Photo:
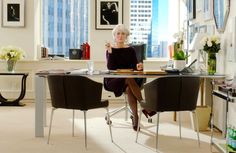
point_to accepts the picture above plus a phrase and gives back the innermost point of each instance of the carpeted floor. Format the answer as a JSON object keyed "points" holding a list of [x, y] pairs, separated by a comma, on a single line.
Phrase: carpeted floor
{"points": [[17, 134]]}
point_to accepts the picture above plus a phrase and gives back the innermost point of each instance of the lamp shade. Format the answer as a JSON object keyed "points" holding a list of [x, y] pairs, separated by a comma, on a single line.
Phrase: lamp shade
{"points": [[195, 44]]}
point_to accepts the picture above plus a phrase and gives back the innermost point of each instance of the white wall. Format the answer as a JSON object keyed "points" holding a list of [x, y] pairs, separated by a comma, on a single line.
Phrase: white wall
{"points": [[22, 37], [223, 65], [230, 66]]}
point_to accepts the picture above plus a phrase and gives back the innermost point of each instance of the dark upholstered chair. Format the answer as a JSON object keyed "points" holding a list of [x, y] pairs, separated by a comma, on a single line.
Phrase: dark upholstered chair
{"points": [[76, 93], [140, 50], [173, 93]]}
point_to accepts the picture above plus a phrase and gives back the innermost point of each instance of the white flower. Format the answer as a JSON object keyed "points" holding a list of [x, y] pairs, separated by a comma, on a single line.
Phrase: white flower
{"points": [[11, 53], [209, 43], [179, 36]]}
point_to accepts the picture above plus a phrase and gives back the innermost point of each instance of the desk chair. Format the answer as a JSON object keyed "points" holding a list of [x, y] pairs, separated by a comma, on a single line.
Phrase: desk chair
{"points": [[74, 92], [140, 50], [173, 93]]}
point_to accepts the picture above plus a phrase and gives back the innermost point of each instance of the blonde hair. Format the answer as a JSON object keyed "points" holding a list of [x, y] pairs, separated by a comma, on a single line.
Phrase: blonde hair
{"points": [[121, 28]]}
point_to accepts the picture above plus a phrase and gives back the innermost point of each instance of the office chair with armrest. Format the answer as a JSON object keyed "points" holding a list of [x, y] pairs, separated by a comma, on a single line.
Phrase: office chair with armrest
{"points": [[173, 93], [76, 93], [140, 50]]}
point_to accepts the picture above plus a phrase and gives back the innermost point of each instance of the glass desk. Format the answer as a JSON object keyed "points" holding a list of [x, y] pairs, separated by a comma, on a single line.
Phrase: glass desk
{"points": [[41, 78]]}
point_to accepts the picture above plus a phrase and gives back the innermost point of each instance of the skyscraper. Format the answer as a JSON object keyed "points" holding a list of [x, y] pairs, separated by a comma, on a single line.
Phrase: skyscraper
{"points": [[140, 20], [64, 24], [148, 24]]}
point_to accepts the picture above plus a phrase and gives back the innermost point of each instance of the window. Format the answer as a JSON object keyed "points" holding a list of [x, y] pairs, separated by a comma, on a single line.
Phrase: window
{"points": [[64, 25], [150, 24]]}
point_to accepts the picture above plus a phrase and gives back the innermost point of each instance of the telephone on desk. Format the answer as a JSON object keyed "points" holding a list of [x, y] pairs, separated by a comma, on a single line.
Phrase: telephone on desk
{"points": [[186, 70]]}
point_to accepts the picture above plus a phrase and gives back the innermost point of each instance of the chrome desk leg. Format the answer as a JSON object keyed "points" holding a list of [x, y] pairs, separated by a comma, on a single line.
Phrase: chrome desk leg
{"points": [[40, 105]]}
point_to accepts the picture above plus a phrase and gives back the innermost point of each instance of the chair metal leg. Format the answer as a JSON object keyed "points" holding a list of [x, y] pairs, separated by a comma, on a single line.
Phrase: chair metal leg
{"points": [[108, 119], [126, 108], [197, 126], [139, 121], [180, 134], [123, 108], [73, 123], [158, 114], [113, 112], [50, 126], [85, 129]]}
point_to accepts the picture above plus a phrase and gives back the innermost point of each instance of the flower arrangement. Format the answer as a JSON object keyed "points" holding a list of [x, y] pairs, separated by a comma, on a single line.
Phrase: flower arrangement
{"points": [[211, 44], [11, 53], [179, 40], [179, 54]]}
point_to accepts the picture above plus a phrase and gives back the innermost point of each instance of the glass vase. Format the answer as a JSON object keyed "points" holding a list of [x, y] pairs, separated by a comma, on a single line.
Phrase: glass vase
{"points": [[211, 63], [11, 65]]}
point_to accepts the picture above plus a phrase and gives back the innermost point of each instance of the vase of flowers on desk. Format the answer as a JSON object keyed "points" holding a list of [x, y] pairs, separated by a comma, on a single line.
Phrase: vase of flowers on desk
{"points": [[11, 55], [211, 45]]}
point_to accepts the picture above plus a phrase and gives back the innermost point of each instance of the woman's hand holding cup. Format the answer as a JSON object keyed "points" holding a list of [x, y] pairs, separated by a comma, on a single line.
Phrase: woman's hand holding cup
{"points": [[140, 66], [108, 47]]}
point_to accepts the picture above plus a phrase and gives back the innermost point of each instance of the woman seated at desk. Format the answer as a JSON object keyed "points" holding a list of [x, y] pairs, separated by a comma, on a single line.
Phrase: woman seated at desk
{"points": [[121, 56]]}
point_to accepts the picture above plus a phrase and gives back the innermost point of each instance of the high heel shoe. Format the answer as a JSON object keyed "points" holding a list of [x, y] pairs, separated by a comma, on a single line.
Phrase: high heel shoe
{"points": [[148, 114], [134, 123]]}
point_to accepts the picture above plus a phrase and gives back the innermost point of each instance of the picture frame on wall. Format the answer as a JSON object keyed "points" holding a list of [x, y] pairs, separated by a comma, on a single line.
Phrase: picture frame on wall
{"points": [[13, 13], [192, 30], [199, 5], [108, 14], [191, 9], [208, 9]]}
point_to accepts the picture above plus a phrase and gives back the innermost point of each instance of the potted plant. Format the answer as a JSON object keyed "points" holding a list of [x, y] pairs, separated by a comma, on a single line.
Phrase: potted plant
{"points": [[179, 59], [179, 55]]}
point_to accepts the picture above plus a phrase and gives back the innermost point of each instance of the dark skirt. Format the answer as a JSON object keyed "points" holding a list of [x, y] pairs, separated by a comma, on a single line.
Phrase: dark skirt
{"points": [[118, 86]]}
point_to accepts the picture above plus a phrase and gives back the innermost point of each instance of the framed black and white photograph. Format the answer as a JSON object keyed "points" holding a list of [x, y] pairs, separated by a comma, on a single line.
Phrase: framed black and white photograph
{"points": [[13, 13], [108, 13]]}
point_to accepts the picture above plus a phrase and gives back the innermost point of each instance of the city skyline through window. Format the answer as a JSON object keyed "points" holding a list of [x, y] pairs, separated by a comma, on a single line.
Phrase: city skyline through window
{"points": [[64, 25], [149, 25]]}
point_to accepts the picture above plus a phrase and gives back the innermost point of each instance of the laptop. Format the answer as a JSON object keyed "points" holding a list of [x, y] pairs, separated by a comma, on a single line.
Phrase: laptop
{"points": [[186, 70]]}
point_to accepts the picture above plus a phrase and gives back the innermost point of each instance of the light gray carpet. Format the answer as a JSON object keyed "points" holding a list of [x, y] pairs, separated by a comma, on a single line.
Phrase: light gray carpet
{"points": [[17, 134]]}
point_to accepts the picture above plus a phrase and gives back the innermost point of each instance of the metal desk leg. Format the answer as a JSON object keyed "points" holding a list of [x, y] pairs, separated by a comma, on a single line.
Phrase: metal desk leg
{"points": [[40, 105]]}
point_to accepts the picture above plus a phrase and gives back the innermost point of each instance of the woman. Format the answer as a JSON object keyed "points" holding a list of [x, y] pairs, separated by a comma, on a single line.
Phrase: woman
{"points": [[121, 56]]}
